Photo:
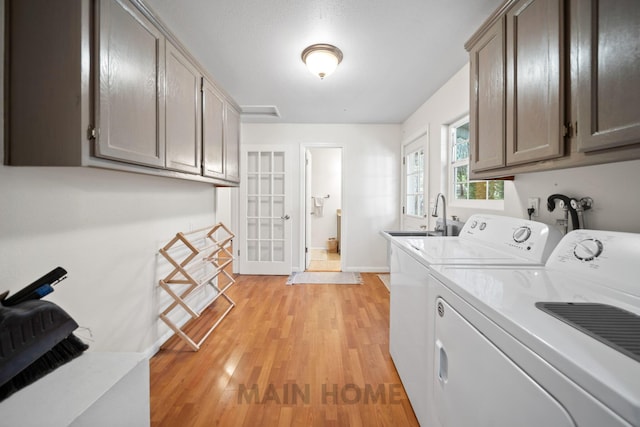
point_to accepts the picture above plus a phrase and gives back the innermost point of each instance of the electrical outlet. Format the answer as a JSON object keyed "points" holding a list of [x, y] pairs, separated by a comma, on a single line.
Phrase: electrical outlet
{"points": [[534, 202]]}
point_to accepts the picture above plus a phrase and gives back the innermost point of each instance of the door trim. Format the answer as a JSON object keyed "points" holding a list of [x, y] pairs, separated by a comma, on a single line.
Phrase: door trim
{"points": [[344, 249]]}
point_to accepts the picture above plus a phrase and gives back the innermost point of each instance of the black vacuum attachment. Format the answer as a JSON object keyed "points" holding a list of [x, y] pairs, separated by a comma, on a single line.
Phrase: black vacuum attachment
{"points": [[35, 336]]}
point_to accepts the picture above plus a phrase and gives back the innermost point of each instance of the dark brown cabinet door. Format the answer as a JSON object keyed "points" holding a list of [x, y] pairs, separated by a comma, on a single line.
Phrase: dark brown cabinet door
{"points": [[487, 62], [608, 95], [212, 131], [535, 73], [232, 144], [183, 116], [131, 94]]}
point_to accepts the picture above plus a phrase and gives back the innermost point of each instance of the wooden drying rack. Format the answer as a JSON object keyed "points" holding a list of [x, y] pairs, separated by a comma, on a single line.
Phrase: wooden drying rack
{"points": [[203, 264]]}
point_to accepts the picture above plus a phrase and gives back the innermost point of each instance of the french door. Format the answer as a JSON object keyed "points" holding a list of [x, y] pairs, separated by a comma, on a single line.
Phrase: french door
{"points": [[415, 202], [265, 221]]}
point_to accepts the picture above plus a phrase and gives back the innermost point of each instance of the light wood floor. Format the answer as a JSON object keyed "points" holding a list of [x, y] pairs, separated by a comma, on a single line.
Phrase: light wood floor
{"points": [[301, 355]]}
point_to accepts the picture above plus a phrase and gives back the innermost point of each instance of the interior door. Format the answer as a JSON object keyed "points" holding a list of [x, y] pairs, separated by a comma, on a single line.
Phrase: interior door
{"points": [[265, 194], [414, 205]]}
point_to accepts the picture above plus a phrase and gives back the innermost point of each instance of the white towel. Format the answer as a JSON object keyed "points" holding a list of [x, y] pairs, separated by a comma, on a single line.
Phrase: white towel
{"points": [[318, 204]]}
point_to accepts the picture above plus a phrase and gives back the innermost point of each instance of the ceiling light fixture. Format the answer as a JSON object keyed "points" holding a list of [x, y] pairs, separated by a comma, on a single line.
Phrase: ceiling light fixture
{"points": [[321, 59]]}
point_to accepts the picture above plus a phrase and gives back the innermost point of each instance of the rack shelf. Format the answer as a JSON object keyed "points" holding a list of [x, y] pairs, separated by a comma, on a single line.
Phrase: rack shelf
{"points": [[199, 258]]}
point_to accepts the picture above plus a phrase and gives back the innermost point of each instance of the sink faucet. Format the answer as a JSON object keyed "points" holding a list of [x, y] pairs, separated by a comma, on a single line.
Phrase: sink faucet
{"points": [[444, 211]]}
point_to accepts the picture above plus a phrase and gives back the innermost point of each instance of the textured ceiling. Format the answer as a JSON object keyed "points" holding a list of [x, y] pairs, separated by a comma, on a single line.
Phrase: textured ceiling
{"points": [[397, 53]]}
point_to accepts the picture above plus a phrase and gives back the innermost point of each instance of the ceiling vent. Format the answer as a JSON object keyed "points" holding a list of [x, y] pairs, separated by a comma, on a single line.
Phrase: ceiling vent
{"points": [[260, 111]]}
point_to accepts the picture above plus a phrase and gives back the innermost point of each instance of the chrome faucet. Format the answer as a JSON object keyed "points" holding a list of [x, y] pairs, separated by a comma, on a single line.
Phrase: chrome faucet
{"points": [[444, 211]]}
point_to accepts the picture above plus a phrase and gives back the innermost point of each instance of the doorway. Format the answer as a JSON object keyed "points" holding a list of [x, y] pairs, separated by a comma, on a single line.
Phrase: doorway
{"points": [[323, 209]]}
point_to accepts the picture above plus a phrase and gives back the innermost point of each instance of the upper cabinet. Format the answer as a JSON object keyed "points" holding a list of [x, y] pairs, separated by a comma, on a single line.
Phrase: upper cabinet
{"points": [[131, 88], [183, 112], [232, 144], [570, 82], [487, 112], [220, 136], [113, 89], [608, 50], [534, 77], [212, 131]]}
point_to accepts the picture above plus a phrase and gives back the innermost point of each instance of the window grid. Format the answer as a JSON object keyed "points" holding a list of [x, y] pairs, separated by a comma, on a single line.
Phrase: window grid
{"points": [[462, 187], [265, 206]]}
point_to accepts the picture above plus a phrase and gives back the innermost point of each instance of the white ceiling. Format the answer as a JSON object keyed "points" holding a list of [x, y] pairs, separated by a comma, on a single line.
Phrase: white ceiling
{"points": [[397, 53]]}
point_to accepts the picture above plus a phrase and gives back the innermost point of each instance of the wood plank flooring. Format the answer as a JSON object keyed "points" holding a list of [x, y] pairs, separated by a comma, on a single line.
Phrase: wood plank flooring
{"points": [[301, 355]]}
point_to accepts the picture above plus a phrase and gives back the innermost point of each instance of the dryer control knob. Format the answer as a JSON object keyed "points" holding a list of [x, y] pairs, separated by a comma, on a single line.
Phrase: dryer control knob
{"points": [[588, 249], [474, 224], [521, 234]]}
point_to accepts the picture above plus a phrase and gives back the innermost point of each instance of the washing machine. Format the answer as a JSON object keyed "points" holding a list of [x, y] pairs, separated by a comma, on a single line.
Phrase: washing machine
{"points": [[484, 240], [557, 345]]}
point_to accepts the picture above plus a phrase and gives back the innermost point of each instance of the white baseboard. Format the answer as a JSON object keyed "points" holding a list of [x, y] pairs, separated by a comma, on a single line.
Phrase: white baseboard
{"points": [[366, 269]]}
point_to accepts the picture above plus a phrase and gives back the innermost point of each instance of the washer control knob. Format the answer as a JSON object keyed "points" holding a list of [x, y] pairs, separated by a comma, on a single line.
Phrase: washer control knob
{"points": [[483, 225], [474, 224], [588, 249], [521, 234]]}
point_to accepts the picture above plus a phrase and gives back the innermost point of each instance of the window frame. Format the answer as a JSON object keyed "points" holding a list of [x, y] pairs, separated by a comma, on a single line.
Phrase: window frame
{"points": [[451, 167]]}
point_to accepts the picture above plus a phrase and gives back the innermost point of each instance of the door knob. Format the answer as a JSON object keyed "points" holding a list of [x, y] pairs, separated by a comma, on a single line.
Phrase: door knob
{"points": [[285, 217]]}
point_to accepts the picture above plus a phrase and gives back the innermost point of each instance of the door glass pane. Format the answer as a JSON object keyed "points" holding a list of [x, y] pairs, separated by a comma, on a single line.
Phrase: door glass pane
{"points": [[278, 229], [414, 183], [278, 162], [252, 184], [278, 250], [252, 206], [252, 228], [252, 250], [278, 206], [265, 250], [265, 184], [252, 161], [278, 184], [265, 162], [265, 229], [265, 207]]}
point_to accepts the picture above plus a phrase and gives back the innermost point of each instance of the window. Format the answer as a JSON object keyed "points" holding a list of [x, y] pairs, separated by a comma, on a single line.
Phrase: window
{"points": [[463, 190], [414, 167]]}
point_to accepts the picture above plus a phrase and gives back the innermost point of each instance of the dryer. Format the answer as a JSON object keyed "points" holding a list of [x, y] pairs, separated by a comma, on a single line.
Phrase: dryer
{"points": [[568, 333], [484, 240]]}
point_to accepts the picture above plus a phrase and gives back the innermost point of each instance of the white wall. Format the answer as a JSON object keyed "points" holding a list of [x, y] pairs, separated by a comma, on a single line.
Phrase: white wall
{"points": [[371, 183], [612, 186], [326, 179], [105, 229]]}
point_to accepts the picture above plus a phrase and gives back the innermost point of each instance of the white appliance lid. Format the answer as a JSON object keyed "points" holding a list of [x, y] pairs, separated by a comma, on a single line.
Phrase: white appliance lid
{"points": [[456, 251], [508, 296]]}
